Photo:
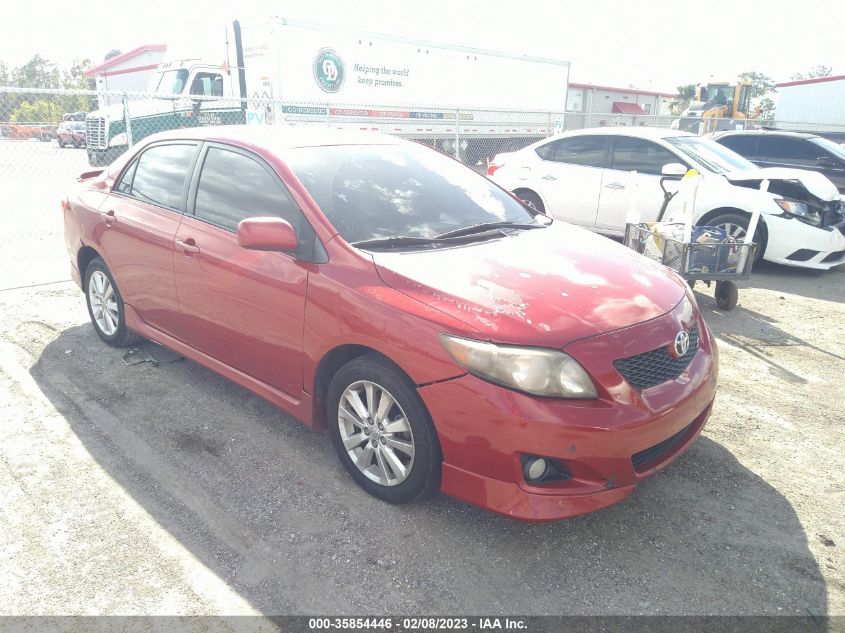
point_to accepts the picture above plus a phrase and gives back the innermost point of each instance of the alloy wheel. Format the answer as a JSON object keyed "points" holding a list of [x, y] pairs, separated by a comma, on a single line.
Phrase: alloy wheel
{"points": [[103, 302], [375, 433]]}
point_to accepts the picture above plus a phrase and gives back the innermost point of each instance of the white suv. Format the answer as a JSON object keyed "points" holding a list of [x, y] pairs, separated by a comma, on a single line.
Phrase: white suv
{"points": [[586, 178]]}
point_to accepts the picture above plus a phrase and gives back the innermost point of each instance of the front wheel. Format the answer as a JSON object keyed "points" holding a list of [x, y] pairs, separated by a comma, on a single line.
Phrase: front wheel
{"points": [[736, 226], [105, 306], [382, 432]]}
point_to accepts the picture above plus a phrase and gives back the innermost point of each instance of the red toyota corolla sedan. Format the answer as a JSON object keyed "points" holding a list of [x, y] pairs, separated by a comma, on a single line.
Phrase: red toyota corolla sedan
{"points": [[446, 335]]}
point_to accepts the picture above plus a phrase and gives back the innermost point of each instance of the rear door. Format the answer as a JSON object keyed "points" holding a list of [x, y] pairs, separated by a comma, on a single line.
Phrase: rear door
{"points": [[570, 175], [140, 219], [622, 189], [744, 145], [243, 307]]}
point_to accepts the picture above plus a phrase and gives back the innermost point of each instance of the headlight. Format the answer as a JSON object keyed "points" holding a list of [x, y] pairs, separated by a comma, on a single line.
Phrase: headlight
{"points": [[118, 139], [800, 211], [542, 372]]}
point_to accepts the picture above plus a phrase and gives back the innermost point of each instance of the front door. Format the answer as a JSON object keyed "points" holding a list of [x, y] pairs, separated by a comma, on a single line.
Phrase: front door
{"points": [[632, 179], [242, 307]]}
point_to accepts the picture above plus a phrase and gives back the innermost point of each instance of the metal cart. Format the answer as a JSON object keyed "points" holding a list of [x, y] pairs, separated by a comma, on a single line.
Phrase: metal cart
{"points": [[711, 255]]}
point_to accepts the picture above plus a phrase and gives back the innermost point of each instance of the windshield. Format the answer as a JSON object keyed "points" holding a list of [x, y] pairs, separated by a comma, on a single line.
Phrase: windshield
{"points": [[834, 148], [710, 155], [172, 82], [380, 191]]}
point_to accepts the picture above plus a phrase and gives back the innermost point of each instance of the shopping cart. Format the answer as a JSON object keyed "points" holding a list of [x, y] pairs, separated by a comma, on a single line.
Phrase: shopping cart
{"points": [[710, 255]]}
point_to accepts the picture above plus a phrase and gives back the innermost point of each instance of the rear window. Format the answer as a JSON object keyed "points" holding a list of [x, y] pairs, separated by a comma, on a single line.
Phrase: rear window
{"points": [[161, 174], [377, 191], [742, 145]]}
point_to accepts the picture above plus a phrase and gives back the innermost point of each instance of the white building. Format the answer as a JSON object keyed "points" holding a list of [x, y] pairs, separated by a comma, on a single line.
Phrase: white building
{"points": [[130, 72], [819, 101], [588, 98]]}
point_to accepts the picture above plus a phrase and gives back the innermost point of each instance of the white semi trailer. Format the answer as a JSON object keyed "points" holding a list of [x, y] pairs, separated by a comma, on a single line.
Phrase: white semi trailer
{"points": [[468, 102]]}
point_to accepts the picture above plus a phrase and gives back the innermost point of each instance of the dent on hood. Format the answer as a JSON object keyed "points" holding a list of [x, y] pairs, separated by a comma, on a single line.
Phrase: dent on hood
{"points": [[797, 184]]}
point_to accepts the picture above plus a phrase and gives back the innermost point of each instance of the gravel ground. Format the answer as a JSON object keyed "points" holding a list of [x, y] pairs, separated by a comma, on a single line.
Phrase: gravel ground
{"points": [[165, 489]]}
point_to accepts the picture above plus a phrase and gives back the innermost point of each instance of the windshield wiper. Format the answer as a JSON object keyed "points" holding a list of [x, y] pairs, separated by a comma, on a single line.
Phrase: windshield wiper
{"points": [[489, 226], [396, 240]]}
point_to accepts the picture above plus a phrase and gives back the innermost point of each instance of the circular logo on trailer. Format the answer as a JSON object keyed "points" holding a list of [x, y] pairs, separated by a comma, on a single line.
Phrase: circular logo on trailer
{"points": [[329, 71], [681, 343]]}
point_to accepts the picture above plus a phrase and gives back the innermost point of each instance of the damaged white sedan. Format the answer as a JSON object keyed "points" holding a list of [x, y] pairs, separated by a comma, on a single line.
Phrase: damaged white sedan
{"points": [[595, 177]]}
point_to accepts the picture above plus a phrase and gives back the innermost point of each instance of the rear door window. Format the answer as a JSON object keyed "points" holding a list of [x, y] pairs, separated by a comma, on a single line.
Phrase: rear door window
{"points": [[742, 145], [789, 151], [636, 154], [161, 175], [580, 150]]}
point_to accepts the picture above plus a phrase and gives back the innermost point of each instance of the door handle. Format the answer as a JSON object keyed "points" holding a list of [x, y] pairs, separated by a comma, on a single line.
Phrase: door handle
{"points": [[188, 245], [110, 217], [549, 177], [614, 185]]}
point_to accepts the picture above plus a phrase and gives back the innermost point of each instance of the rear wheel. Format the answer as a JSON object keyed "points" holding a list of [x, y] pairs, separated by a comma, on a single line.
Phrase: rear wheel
{"points": [[727, 295], [736, 225], [105, 306], [532, 200], [382, 432]]}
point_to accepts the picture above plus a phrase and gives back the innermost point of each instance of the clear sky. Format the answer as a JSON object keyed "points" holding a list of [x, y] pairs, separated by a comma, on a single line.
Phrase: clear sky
{"points": [[653, 44]]}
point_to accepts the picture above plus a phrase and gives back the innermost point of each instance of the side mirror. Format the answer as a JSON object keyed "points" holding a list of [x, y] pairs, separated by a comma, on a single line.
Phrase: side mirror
{"points": [[673, 170], [266, 234]]}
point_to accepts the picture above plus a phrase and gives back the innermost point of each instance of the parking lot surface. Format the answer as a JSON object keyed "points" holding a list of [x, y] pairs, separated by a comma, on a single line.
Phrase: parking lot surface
{"points": [[163, 488]]}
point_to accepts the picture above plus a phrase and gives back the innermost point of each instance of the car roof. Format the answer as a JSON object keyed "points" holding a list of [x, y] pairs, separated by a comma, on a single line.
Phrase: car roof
{"points": [[786, 133], [652, 133], [276, 138]]}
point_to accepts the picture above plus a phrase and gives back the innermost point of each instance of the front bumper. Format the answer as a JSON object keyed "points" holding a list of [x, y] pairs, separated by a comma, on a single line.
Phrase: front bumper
{"points": [[795, 243], [485, 429]]}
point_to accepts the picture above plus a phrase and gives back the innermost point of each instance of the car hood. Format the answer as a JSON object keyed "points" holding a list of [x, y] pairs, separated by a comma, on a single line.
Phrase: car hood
{"points": [[544, 287], [817, 184]]}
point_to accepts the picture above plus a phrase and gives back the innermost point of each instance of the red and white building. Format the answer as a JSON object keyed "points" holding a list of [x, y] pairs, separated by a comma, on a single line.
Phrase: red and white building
{"points": [[819, 101], [588, 98], [130, 72]]}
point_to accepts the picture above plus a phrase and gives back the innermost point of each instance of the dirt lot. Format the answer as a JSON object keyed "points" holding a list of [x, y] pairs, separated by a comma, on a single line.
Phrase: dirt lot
{"points": [[166, 489]]}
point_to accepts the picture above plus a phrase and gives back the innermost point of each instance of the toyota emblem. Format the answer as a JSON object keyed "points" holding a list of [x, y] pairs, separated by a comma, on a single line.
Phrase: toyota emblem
{"points": [[681, 343]]}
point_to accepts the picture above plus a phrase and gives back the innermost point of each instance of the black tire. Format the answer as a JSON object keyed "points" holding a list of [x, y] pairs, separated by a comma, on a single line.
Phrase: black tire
{"points": [[424, 476], [532, 200], [724, 220], [121, 337], [726, 295]]}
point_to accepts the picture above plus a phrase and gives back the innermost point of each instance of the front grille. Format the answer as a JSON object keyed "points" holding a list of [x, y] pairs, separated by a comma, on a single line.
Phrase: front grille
{"points": [[833, 257], [657, 366], [96, 136], [650, 455]]}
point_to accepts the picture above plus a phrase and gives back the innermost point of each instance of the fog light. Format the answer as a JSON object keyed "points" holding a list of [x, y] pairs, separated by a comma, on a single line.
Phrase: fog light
{"points": [[535, 468]]}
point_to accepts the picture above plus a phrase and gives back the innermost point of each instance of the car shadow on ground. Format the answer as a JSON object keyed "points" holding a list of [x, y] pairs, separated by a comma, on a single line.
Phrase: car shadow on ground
{"points": [[264, 503], [827, 285]]}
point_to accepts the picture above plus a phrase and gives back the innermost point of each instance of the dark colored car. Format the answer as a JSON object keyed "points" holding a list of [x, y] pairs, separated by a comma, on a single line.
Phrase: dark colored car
{"points": [[798, 150], [71, 133], [447, 335]]}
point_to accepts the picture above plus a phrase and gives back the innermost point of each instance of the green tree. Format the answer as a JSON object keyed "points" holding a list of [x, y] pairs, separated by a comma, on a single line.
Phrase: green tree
{"points": [[767, 108], [112, 53], [686, 94], [41, 111], [37, 73], [761, 84], [815, 71], [5, 75]]}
